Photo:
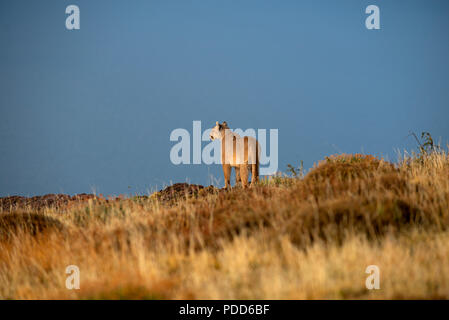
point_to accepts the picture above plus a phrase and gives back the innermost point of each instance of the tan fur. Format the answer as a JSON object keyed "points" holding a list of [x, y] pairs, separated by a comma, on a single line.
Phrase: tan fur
{"points": [[241, 169]]}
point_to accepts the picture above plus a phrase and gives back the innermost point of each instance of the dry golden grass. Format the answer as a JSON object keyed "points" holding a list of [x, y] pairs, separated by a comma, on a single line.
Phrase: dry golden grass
{"points": [[287, 238]]}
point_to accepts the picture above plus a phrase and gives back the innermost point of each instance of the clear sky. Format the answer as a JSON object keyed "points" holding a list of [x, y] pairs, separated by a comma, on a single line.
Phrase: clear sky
{"points": [[94, 108]]}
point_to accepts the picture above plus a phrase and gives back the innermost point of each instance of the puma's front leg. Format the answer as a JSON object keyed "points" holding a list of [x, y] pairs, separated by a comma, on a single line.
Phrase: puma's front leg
{"points": [[227, 175]]}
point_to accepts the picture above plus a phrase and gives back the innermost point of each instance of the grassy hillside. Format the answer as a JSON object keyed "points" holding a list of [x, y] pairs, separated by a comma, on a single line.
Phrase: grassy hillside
{"points": [[308, 237]]}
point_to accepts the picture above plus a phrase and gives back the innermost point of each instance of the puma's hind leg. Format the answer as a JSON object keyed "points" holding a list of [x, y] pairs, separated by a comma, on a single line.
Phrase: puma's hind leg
{"points": [[254, 174], [237, 176], [244, 175]]}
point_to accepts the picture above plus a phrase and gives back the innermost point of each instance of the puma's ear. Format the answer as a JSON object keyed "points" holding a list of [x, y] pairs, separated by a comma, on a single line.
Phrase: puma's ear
{"points": [[225, 123], [216, 123]]}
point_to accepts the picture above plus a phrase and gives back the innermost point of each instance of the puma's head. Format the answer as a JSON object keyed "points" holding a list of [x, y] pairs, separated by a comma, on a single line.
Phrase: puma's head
{"points": [[218, 131]]}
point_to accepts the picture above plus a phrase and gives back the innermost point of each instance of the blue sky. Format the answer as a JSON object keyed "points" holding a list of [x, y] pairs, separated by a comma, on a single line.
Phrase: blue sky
{"points": [[92, 109]]}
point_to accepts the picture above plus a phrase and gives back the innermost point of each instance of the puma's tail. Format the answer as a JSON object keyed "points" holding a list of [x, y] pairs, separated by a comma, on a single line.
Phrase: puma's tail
{"points": [[257, 159]]}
